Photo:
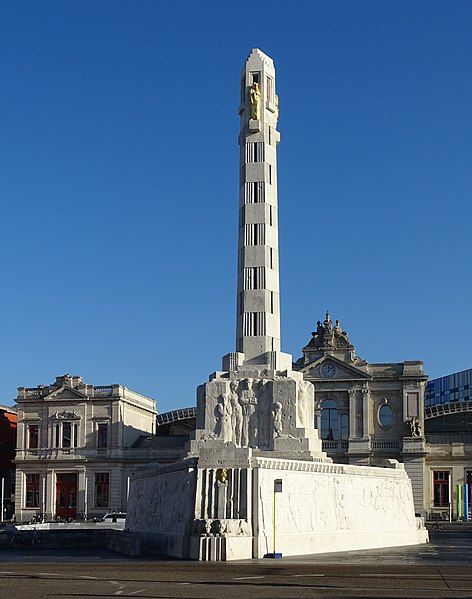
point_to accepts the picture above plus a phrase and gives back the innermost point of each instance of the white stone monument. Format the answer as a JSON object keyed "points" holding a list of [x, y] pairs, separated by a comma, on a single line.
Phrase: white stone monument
{"points": [[255, 425]]}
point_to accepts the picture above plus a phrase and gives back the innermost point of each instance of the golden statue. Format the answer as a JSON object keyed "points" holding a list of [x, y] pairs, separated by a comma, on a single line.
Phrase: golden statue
{"points": [[222, 475], [255, 99]]}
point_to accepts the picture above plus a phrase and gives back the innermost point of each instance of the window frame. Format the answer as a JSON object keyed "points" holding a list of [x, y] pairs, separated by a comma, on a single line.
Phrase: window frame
{"points": [[32, 487], [102, 484], [99, 444], [385, 427], [29, 426], [444, 487]]}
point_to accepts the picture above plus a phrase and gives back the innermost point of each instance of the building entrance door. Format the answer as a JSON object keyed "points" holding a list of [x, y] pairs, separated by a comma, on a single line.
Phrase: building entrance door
{"points": [[66, 495]]}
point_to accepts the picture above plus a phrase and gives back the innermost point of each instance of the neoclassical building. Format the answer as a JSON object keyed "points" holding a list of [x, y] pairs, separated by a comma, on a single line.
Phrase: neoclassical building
{"points": [[366, 412], [77, 445]]}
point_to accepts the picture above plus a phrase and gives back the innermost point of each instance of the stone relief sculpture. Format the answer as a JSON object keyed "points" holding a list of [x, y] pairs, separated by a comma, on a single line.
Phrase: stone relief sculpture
{"points": [[277, 419], [223, 411], [276, 108], [255, 100], [248, 401], [303, 405], [237, 413], [264, 415]]}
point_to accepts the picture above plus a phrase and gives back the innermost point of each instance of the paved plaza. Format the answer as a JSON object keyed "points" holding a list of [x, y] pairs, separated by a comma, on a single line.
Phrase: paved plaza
{"points": [[443, 568]]}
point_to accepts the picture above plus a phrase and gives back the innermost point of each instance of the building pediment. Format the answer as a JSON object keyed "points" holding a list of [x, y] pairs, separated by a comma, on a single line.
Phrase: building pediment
{"points": [[329, 368], [65, 392]]}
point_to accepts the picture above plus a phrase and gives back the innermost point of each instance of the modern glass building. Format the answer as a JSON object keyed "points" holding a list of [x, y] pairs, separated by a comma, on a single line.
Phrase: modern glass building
{"points": [[454, 387]]}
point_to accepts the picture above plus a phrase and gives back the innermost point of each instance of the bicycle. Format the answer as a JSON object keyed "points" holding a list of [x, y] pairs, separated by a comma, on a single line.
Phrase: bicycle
{"points": [[437, 527], [26, 539]]}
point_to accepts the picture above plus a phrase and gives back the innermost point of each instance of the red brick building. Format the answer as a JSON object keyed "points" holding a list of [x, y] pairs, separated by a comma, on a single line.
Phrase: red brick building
{"points": [[8, 418]]}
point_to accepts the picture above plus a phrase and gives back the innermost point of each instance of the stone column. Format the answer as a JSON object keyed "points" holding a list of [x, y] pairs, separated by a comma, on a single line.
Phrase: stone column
{"points": [[352, 413], [366, 400]]}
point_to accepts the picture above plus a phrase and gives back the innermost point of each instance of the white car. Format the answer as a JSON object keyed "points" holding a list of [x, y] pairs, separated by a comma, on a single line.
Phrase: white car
{"points": [[118, 517]]}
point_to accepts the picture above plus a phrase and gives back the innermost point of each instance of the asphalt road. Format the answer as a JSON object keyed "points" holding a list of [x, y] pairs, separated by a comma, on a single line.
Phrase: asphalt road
{"points": [[442, 569]]}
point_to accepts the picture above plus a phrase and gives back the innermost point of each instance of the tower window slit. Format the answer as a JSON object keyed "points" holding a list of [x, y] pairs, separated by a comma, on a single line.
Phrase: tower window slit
{"points": [[254, 277], [254, 234], [254, 323], [254, 152], [254, 192]]}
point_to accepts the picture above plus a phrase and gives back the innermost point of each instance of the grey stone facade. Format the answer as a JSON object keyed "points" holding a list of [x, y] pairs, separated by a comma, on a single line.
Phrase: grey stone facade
{"points": [[366, 412]]}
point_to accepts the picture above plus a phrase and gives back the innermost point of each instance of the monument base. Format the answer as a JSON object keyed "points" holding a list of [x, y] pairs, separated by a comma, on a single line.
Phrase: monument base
{"points": [[227, 513]]}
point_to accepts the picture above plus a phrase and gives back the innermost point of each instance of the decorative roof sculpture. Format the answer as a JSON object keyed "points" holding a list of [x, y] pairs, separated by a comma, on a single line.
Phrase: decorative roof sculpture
{"points": [[329, 336]]}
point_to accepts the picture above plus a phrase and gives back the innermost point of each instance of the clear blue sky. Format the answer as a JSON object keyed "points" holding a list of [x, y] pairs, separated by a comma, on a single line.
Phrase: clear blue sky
{"points": [[119, 184]]}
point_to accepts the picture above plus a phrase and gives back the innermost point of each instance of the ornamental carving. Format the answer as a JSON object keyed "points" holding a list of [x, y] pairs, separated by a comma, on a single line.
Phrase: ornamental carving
{"points": [[329, 335], [65, 416]]}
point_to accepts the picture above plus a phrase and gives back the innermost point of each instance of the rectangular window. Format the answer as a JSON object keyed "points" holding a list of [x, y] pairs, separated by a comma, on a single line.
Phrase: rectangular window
{"points": [[56, 436], [270, 174], [32, 490], [33, 436], [102, 489], [102, 435], [255, 78], [66, 434], [76, 434], [271, 302], [441, 488]]}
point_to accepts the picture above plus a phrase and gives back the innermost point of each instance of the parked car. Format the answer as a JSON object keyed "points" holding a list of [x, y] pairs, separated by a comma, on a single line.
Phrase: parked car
{"points": [[119, 517]]}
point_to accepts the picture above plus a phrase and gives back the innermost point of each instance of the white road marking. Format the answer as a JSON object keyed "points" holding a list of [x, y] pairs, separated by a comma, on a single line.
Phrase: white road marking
{"points": [[247, 577], [304, 575], [135, 592]]}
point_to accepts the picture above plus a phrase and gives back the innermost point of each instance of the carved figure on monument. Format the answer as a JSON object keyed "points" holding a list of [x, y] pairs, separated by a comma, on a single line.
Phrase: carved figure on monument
{"points": [[243, 528], [255, 99], [276, 109], [248, 401], [207, 526], [222, 475], [264, 415], [221, 527], [303, 399], [237, 413], [277, 419], [223, 411]]}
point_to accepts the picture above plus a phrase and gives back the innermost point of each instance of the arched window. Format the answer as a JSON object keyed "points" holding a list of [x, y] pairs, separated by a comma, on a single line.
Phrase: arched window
{"points": [[330, 428]]}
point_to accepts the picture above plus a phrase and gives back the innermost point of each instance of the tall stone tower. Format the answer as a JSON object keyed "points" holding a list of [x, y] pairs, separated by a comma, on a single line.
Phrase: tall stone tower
{"points": [[256, 402], [258, 305]]}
